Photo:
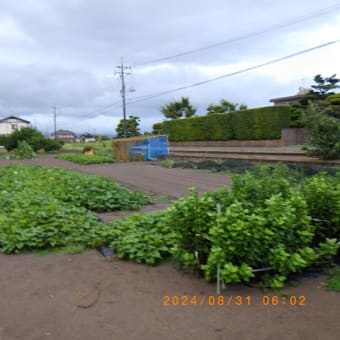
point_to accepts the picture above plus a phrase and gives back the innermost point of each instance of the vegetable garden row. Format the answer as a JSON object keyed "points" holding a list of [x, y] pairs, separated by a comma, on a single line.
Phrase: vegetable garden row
{"points": [[269, 218]]}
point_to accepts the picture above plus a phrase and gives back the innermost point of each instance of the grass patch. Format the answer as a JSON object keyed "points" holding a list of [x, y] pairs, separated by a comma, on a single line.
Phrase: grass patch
{"points": [[80, 145], [80, 158]]}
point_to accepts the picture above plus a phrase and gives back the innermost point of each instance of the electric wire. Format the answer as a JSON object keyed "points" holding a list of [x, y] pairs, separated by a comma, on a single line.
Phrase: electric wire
{"points": [[251, 68], [291, 22]]}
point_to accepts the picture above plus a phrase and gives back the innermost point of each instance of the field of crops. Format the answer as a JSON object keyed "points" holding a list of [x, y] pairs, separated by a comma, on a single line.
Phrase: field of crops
{"points": [[53, 207], [269, 219]]}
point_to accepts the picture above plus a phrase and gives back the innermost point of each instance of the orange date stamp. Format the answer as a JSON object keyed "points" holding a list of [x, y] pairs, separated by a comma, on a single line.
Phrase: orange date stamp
{"points": [[232, 300]]}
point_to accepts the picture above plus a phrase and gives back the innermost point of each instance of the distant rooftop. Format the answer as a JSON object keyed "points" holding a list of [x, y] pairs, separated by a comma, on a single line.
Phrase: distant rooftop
{"points": [[290, 99], [13, 117]]}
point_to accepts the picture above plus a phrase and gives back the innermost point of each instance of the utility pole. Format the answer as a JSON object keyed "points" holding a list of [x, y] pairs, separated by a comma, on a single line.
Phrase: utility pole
{"points": [[122, 73], [55, 121]]}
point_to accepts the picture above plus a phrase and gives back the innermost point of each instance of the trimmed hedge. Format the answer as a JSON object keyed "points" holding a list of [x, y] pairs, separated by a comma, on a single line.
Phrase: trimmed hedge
{"points": [[253, 124]]}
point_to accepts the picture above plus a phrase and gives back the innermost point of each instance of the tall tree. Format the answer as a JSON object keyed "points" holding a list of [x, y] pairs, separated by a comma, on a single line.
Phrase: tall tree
{"points": [[224, 107], [178, 109], [322, 96], [132, 127], [324, 85]]}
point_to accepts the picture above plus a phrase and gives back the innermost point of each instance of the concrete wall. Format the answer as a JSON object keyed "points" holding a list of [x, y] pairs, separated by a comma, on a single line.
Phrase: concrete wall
{"points": [[294, 136]]}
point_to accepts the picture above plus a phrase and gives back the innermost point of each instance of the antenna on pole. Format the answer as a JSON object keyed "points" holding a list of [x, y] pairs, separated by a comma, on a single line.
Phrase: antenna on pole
{"points": [[122, 73]]}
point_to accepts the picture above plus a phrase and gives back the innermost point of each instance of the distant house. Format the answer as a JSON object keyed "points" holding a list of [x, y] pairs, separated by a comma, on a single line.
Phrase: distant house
{"points": [[64, 136], [87, 137], [290, 99], [11, 123]]}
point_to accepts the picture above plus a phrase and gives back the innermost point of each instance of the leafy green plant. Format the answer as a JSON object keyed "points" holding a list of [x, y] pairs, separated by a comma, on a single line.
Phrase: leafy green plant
{"points": [[276, 235], [142, 238], [91, 192], [322, 194], [43, 208], [263, 223], [51, 145], [191, 218], [41, 221], [24, 151], [85, 159], [325, 134], [33, 137], [168, 163], [261, 182], [333, 283]]}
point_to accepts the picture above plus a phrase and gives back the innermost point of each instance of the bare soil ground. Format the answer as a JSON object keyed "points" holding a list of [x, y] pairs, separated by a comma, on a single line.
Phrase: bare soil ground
{"points": [[142, 175], [85, 296]]}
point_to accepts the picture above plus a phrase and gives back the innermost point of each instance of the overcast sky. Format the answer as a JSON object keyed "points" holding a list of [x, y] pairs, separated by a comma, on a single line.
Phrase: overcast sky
{"points": [[64, 53]]}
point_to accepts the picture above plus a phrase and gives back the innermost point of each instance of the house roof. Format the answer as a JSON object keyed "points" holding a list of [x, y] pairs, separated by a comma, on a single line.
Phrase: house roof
{"points": [[62, 132], [302, 92], [86, 135], [13, 117], [286, 99]]}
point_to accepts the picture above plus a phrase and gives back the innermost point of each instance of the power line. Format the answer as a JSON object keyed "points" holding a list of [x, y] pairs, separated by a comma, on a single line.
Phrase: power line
{"points": [[254, 34], [159, 94], [148, 97], [247, 36]]}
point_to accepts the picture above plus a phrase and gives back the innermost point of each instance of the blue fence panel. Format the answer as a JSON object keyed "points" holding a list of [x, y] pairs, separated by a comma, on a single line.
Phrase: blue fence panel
{"points": [[150, 148], [158, 146]]}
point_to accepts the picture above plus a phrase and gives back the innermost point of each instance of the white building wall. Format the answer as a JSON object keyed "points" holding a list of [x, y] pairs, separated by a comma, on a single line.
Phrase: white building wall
{"points": [[10, 125]]}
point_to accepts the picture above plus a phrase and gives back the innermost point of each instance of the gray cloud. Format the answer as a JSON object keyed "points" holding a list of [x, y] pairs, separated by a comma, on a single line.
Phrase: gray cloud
{"points": [[64, 52]]}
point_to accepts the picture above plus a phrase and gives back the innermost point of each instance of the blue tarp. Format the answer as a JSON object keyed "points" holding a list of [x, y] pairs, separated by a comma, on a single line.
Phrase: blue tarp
{"points": [[150, 148]]}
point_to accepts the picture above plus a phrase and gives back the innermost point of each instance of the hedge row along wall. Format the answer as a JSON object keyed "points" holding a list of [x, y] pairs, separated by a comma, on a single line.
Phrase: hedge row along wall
{"points": [[253, 124]]}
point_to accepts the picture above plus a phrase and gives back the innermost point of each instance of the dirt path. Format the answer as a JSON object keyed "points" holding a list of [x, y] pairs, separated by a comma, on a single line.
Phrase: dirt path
{"points": [[84, 296], [143, 175]]}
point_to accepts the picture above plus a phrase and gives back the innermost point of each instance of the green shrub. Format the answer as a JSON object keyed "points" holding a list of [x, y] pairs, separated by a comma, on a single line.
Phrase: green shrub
{"points": [[333, 283], [243, 124], [261, 182], [51, 145], [24, 151], [157, 129], [32, 137], [325, 134], [142, 238], [246, 236], [191, 218], [322, 194], [253, 124], [264, 222]]}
